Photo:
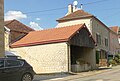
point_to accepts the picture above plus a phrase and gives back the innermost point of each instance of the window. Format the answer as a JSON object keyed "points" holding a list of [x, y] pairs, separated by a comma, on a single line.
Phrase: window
{"points": [[1, 63], [106, 42], [11, 63], [98, 39]]}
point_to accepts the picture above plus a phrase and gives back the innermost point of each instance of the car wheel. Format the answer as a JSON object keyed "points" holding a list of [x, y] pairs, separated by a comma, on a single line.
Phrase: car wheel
{"points": [[27, 77]]}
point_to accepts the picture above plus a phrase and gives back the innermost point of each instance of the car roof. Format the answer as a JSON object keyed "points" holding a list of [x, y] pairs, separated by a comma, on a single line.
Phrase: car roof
{"points": [[11, 59]]}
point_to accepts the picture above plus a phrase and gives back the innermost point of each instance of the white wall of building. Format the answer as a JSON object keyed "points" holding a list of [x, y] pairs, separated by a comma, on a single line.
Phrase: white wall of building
{"points": [[48, 58], [75, 22]]}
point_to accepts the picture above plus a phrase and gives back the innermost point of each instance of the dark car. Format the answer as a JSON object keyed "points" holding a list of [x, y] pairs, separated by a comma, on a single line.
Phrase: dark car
{"points": [[13, 69]]}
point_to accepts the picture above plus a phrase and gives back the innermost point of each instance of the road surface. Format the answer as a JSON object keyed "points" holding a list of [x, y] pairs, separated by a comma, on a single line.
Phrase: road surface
{"points": [[112, 75]]}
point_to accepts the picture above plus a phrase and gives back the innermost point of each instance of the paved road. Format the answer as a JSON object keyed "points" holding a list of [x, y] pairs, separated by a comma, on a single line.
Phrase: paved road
{"points": [[108, 75], [49, 77], [112, 75]]}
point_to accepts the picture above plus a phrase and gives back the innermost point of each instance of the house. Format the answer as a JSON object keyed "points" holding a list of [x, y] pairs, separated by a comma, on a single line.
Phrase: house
{"points": [[114, 40], [13, 31], [98, 29], [116, 29], [8, 53], [62, 49], [2, 51], [17, 30]]}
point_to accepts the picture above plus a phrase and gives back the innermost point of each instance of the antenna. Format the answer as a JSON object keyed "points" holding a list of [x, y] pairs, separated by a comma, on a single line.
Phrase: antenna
{"points": [[81, 6], [75, 3]]}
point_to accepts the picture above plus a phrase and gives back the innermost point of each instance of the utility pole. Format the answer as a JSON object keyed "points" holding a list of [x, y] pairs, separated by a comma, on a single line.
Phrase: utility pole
{"points": [[2, 47]]}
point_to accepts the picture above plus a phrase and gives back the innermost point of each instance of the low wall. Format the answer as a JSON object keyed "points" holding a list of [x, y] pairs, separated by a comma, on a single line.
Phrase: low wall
{"points": [[80, 68]]}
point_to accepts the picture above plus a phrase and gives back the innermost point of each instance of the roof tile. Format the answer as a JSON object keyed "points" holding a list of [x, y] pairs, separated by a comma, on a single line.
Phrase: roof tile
{"points": [[15, 25], [115, 29], [48, 36], [75, 15]]}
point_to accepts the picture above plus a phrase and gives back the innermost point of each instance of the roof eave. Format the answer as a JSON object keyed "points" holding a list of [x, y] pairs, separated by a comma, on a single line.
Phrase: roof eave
{"points": [[39, 43], [69, 19]]}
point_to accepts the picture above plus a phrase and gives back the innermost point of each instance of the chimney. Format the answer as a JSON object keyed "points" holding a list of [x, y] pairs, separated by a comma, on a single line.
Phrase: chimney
{"points": [[70, 9], [74, 8]]}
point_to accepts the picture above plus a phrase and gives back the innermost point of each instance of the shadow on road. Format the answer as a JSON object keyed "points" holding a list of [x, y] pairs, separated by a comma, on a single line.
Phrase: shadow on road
{"points": [[104, 68]]}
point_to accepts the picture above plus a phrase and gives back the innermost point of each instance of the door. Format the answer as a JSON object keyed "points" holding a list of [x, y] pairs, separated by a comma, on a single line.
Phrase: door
{"points": [[97, 57], [2, 74], [12, 68]]}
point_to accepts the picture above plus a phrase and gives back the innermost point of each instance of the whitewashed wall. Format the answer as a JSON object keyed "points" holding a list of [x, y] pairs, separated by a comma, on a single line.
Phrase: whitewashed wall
{"points": [[75, 22], [48, 58]]}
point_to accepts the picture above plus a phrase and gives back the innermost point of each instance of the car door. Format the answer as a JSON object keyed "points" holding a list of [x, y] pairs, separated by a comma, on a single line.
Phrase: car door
{"points": [[12, 70], [2, 74]]}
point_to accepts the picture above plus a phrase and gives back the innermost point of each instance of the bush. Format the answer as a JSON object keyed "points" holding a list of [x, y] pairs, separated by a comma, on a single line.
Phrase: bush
{"points": [[112, 62], [115, 61]]}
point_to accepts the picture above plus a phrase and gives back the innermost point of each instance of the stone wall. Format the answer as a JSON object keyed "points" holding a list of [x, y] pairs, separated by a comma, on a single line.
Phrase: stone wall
{"points": [[98, 28], [114, 43], [48, 58]]}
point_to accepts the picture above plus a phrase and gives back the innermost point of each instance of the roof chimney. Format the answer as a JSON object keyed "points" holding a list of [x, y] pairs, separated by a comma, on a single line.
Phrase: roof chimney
{"points": [[70, 9]]}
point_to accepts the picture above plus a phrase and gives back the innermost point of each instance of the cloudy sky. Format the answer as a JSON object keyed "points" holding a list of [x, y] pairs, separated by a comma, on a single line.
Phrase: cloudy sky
{"points": [[42, 14]]}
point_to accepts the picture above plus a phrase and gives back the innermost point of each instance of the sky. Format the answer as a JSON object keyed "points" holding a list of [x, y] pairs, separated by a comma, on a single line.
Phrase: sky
{"points": [[42, 14]]}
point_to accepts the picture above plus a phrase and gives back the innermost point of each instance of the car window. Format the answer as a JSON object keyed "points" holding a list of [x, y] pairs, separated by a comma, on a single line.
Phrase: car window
{"points": [[1, 63], [10, 63]]}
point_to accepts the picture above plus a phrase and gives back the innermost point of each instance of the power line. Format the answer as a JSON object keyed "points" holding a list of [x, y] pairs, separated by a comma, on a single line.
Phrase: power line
{"points": [[45, 10], [95, 2], [63, 8], [41, 11], [60, 8]]}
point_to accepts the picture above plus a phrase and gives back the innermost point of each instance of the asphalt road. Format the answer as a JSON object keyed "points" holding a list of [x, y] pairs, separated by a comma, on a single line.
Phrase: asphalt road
{"points": [[49, 77], [112, 75], [109, 75]]}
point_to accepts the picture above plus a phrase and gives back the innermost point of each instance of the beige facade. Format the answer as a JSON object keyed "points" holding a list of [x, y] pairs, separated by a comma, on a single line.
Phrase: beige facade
{"points": [[1, 29], [114, 43], [95, 26], [48, 58], [74, 22]]}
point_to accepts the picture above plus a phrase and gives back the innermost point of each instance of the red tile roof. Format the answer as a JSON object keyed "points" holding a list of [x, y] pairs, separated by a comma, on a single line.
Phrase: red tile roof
{"points": [[115, 29], [17, 30], [62, 34], [79, 14], [15, 25], [75, 15]]}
